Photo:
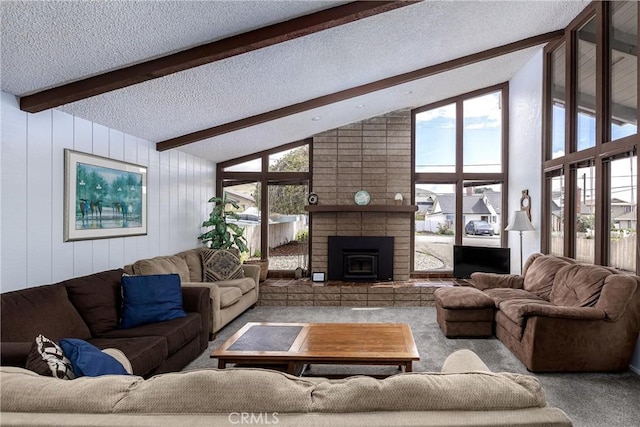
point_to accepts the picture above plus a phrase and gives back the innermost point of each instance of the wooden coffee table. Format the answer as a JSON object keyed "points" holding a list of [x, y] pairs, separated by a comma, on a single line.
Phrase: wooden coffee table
{"points": [[295, 344]]}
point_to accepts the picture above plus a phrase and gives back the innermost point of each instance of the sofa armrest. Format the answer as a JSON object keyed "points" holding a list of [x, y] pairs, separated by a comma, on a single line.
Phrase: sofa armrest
{"points": [[15, 353], [214, 299], [462, 361], [253, 271], [196, 299], [484, 281], [562, 312]]}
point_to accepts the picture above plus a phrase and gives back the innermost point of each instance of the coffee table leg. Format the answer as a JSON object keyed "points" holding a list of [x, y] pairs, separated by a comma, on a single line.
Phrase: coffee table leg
{"points": [[222, 364], [291, 368], [408, 367]]}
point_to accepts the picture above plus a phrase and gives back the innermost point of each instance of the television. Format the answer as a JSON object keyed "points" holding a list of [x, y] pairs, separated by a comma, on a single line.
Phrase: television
{"points": [[469, 259]]}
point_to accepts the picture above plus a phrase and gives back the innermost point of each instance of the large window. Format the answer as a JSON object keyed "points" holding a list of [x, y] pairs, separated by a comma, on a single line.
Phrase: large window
{"points": [[590, 198], [271, 188], [460, 176]]}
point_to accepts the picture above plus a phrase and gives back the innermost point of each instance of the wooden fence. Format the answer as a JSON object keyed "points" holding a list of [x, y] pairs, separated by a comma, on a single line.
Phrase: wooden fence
{"points": [[622, 251]]}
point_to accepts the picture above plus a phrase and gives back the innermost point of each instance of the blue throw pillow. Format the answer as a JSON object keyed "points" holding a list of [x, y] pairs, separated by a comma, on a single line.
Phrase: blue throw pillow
{"points": [[88, 360], [150, 299]]}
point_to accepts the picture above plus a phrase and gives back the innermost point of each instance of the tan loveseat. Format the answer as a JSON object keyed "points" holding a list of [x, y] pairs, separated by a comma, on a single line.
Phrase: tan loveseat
{"points": [[464, 393], [561, 315], [229, 298]]}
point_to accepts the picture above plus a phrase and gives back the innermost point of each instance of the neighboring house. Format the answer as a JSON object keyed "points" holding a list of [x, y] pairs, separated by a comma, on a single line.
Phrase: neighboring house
{"points": [[439, 209]]}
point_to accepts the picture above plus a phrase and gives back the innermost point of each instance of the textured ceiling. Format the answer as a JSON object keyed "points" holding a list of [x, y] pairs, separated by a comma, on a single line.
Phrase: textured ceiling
{"points": [[45, 44]]}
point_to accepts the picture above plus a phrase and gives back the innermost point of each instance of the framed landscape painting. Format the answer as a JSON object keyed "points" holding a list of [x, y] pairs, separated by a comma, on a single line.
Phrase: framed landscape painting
{"points": [[103, 197]]}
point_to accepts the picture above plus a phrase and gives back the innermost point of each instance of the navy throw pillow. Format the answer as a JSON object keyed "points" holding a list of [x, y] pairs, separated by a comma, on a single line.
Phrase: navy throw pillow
{"points": [[88, 360], [150, 299]]}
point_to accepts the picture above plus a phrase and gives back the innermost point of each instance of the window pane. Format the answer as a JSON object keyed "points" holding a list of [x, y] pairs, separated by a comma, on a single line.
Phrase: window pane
{"points": [[558, 101], [623, 42], [288, 227], [481, 210], [294, 160], [585, 214], [557, 215], [586, 95], [247, 196], [436, 140], [435, 227], [623, 206], [482, 134], [254, 165]]}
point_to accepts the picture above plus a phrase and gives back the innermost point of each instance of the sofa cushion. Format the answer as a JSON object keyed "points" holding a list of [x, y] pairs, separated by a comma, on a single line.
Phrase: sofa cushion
{"points": [[245, 285], [150, 299], [221, 264], [505, 294], [177, 332], [60, 366], [541, 273], [229, 296], [30, 312], [88, 361], [163, 265], [578, 285], [36, 363], [98, 299], [145, 353], [193, 258], [428, 391]]}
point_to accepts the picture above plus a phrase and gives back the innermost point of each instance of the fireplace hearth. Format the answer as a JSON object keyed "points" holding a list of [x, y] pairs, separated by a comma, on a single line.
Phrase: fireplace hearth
{"points": [[354, 258]]}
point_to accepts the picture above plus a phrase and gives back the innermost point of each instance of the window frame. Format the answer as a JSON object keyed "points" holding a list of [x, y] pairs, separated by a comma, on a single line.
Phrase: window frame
{"points": [[604, 150], [458, 177], [265, 178]]}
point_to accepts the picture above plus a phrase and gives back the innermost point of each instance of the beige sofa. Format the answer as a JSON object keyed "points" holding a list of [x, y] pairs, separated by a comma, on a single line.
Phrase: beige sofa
{"points": [[229, 298], [464, 393]]}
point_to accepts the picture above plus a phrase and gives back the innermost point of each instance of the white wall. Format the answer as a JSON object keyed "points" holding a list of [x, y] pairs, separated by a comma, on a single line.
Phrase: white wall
{"points": [[525, 142], [32, 251], [525, 160]]}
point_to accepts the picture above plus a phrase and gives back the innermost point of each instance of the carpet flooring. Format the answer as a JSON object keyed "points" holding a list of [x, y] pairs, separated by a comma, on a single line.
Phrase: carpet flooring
{"points": [[589, 399]]}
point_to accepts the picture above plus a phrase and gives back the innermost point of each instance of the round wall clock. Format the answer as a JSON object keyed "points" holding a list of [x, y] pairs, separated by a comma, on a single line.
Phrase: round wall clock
{"points": [[312, 198], [362, 198]]}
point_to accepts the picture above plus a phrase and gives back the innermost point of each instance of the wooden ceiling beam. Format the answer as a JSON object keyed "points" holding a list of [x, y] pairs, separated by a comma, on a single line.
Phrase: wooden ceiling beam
{"points": [[207, 53], [358, 91]]}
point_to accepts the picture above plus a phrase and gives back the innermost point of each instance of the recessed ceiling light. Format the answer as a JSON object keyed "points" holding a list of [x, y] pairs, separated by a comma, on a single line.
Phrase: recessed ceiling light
{"points": [[408, 92], [360, 106], [315, 118]]}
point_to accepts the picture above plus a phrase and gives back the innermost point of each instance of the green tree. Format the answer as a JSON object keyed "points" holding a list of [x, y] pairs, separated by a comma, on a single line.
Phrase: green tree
{"points": [[288, 199]]}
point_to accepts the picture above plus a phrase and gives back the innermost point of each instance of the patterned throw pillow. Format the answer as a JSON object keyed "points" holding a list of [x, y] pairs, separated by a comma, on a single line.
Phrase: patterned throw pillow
{"points": [[221, 264], [52, 354]]}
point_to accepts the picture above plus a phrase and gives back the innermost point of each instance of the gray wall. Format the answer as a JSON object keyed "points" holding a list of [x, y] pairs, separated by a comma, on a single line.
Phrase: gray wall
{"points": [[32, 251]]}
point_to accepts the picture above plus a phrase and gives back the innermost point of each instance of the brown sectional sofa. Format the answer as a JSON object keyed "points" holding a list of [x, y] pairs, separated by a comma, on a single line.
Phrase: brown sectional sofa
{"points": [[89, 308], [559, 315], [464, 393], [229, 298]]}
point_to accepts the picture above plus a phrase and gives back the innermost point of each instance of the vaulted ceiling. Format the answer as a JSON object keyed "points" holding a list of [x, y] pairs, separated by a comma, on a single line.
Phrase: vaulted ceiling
{"points": [[330, 64]]}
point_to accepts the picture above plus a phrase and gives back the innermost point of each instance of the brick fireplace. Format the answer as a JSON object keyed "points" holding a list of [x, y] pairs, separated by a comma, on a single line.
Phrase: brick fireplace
{"points": [[372, 155]]}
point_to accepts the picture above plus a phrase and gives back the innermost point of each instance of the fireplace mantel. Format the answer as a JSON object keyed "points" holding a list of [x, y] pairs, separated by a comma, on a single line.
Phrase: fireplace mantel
{"points": [[358, 208]]}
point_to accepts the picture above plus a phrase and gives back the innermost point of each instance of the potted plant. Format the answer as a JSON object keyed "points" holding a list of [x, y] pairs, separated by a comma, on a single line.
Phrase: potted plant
{"points": [[222, 234]]}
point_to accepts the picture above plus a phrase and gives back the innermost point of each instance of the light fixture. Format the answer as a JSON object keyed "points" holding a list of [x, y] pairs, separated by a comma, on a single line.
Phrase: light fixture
{"points": [[520, 222], [408, 92], [360, 106], [315, 118]]}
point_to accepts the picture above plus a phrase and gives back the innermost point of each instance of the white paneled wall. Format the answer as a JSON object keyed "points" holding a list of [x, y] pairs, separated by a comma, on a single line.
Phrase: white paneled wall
{"points": [[32, 251]]}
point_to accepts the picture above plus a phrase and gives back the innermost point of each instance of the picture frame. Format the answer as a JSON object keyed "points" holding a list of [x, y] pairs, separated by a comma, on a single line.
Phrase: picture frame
{"points": [[103, 198], [317, 276]]}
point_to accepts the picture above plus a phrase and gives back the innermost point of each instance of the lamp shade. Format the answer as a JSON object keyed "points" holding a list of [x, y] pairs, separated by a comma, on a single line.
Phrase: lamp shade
{"points": [[520, 222]]}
